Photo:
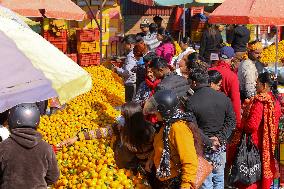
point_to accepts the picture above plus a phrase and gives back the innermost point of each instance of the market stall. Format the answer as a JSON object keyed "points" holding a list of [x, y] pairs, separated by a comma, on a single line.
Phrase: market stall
{"points": [[64, 9]]}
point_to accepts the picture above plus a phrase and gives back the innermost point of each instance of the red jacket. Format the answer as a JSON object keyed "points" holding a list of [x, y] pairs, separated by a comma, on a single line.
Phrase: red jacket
{"points": [[230, 86]]}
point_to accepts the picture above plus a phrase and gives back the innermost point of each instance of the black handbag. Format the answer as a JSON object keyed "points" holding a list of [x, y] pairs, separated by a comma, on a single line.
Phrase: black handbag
{"points": [[246, 168]]}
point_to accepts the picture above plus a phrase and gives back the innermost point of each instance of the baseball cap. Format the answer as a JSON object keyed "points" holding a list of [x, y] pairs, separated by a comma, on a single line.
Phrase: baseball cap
{"points": [[227, 53]]}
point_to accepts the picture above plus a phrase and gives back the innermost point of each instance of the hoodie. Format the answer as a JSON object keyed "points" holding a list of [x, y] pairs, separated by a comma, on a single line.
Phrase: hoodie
{"points": [[26, 161], [240, 38]]}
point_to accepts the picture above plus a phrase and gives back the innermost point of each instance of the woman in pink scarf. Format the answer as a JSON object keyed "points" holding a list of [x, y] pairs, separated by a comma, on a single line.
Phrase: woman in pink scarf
{"points": [[166, 49]]}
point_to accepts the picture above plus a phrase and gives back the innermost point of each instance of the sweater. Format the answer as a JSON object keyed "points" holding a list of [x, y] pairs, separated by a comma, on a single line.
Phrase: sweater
{"points": [[248, 75], [166, 51], [151, 40], [26, 161], [213, 111], [183, 155], [126, 71], [230, 86]]}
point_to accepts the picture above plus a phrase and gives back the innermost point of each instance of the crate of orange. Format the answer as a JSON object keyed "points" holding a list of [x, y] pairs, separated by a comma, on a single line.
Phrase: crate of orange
{"points": [[62, 46], [58, 36], [88, 47], [89, 59], [87, 35]]}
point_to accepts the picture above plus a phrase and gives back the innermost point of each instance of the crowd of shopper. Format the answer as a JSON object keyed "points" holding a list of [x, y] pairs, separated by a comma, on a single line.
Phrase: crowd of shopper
{"points": [[183, 118], [212, 98]]}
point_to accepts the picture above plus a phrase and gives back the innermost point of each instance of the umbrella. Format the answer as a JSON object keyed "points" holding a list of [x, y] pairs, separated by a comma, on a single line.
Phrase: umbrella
{"points": [[258, 12], [33, 70], [7, 13], [62, 9], [24, 21], [175, 2]]}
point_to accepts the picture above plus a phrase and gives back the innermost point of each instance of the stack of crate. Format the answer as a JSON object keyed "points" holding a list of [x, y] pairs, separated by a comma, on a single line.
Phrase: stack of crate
{"points": [[57, 33], [197, 28], [58, 38], [88, 47]]}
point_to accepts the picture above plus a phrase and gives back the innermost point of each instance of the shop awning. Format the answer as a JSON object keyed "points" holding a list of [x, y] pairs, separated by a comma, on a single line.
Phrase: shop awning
{"points": [[258, 12], [59, 9]]}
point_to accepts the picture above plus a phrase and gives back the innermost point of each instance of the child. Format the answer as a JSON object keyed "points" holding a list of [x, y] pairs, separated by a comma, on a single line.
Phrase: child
{"points": [[26, 161]]}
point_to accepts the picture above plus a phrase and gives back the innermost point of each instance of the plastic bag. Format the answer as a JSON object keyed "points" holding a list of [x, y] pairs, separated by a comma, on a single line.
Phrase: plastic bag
{"points": [[246, 168]]}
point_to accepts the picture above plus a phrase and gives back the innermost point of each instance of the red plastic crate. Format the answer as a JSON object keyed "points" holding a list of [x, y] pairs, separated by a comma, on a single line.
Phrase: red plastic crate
{"points": [[52, 37], [196, 10], [61, 46], [89, 59], [88, 35], [73, 57]]}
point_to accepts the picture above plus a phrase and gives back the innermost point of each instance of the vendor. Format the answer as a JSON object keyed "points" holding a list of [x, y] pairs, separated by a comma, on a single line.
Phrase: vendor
{"points": [[269, 38]]}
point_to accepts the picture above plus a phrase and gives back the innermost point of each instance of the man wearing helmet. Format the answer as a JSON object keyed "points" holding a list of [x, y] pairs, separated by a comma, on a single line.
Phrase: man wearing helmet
{"points": [[26, 161], [177, 143]]}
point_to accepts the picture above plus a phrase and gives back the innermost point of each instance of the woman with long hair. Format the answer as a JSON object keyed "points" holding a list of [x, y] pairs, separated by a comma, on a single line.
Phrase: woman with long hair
{"points": [[133, 136], [166, 49], [177, 145], [260, 120], [211, 42]]}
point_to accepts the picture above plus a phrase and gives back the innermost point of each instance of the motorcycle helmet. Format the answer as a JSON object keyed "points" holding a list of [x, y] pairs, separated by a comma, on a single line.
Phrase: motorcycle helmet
{"points": [[164, 102], [24, 115]]}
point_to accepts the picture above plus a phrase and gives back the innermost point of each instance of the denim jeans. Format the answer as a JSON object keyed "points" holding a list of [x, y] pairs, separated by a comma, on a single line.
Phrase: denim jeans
{"points": [[216, 179]]}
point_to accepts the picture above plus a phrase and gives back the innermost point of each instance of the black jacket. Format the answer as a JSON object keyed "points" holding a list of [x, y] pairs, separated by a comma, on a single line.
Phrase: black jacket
{"points": [[213, 111], [176, 83], [26, 161], [210, 44], [239, 39]]}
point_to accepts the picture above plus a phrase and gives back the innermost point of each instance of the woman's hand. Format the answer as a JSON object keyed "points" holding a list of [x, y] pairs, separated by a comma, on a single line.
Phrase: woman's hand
{"points": [[149, 164], [67, 142]]}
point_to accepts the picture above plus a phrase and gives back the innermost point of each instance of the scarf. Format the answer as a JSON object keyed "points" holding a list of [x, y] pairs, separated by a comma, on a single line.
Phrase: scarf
{"points": [[152, 85], [269, 134], [164, 169]]}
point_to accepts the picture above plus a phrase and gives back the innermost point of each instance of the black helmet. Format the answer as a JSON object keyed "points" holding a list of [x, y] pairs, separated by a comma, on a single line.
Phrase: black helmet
{"points": [[24, 115], [164, 102]]}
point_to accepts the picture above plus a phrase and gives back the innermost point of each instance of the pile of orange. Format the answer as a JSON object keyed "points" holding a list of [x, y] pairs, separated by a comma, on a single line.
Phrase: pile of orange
{"points": [[90, 164]]}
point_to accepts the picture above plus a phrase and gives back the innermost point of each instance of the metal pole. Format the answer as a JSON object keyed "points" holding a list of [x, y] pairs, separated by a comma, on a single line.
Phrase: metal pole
{"points": [[93, 15], [101, 31], [276, 63], [183, 24]]}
